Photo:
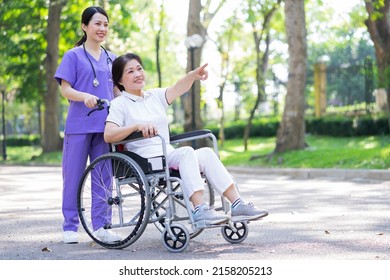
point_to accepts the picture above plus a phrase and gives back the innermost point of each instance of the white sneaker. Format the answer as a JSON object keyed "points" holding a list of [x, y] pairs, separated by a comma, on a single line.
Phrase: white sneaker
{"points": [[70, 237], [208, 214], [247, 211], [106, 236]]}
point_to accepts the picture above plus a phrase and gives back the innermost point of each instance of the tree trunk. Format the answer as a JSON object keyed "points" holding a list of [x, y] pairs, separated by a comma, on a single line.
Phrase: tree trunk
{"points": [[378, 26], [158, 43], [51, 139], [262, 64], [221, 107], [291, 132]]}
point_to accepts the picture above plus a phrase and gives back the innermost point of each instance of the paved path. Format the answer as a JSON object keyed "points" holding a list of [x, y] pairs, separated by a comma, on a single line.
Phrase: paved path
{"points": [[318, 217]]}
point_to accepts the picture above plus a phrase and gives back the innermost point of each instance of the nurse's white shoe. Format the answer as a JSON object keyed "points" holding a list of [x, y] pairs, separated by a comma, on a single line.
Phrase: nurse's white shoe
{"points": [[106, 236], [70, 237]]}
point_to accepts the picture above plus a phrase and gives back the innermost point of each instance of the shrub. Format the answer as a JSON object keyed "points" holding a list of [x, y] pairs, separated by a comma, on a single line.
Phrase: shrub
{"points": [[347, 126], [23, 140]]}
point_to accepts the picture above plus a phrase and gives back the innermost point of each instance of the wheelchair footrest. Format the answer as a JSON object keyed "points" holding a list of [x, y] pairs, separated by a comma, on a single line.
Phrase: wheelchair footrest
{"points": [[205, 224]]}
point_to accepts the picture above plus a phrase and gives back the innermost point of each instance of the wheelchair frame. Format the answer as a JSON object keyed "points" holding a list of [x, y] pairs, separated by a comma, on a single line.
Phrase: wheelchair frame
{"points": [[123, 193]]}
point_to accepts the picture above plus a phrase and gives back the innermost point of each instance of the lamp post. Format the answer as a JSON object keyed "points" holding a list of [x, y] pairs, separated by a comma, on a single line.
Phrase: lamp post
{"points": [[3, 124], [193, 42], [320, 85]]}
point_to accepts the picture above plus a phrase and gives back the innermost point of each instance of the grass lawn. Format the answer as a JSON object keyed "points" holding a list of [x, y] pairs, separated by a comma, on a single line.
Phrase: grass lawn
{"points": [[322, 152], [31, 155], [371, 152]]}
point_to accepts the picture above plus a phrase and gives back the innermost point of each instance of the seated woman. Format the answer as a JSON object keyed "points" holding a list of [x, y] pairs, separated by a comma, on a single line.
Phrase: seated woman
{"points": [[146, 111]]}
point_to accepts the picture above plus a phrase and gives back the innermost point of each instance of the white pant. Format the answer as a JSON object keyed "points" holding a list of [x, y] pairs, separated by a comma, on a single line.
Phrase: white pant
{"points": [[191, 163]]}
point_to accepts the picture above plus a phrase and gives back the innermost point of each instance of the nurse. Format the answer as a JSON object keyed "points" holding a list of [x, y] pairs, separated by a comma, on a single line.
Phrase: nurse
{"points": [[84, 76]]}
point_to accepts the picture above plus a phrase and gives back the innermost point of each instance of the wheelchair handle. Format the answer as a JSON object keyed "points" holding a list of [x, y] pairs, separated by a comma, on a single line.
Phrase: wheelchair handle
{"points": [[101, 104]]}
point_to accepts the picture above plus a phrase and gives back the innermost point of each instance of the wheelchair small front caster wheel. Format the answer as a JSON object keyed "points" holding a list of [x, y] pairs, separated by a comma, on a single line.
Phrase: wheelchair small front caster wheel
{"points": [[180, 239], [237, 234]]}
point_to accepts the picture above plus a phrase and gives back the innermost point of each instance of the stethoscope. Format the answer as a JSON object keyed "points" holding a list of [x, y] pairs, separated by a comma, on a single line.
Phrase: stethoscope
{"points": [[95, 81]]}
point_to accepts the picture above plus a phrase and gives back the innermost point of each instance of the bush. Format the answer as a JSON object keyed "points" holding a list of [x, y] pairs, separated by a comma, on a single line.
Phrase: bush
{"points": [[340, 126], [23, 140], [347, 126]]}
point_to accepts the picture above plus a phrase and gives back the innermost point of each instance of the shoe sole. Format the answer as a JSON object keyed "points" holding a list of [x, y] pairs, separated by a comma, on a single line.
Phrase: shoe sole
{"points": [[213, 222], [217, 222], [248, 218]]}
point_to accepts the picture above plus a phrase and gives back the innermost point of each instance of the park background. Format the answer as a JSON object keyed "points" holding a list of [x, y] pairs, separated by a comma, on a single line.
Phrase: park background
{"points": [[342, 116]]}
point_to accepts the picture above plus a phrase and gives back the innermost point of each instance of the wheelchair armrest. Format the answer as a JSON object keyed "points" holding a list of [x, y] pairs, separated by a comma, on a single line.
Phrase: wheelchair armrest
{"points": [[134, 136], [190, 135], [131, 137]]}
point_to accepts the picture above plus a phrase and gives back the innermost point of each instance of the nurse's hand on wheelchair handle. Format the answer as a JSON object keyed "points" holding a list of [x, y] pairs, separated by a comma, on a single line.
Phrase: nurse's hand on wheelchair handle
{"points": [[100, 105], [91, 101]]}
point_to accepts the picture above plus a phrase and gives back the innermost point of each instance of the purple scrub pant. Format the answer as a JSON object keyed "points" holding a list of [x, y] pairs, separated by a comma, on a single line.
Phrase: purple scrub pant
{"points": [[77, 148]]}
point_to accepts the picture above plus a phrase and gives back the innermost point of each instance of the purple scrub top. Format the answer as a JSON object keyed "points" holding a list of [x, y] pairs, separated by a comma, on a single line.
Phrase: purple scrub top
{"points": [[76, 69]]}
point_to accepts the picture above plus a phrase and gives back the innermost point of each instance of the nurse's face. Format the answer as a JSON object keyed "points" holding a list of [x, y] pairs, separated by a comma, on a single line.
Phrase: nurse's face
{"points": [[133, 77], [97, 28]]}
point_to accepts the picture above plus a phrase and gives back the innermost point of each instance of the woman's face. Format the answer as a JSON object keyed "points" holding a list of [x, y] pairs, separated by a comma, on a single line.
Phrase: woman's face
{"points": [[133, 77], [97, 28]]}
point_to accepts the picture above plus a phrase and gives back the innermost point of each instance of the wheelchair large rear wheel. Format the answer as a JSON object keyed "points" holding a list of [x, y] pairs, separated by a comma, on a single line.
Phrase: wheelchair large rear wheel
{"points": [[114, 195]]}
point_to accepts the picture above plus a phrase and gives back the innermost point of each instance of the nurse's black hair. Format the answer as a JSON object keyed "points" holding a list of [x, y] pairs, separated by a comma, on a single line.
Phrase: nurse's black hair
{"points": [[86, 18], [118, 66]]}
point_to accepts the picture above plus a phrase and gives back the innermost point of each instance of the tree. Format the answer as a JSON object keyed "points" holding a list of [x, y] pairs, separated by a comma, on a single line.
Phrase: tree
{"points": [[51, 137], [378, 25], [290, 135], [260, 14], [224, 44], [23, 44], [158, 41]]}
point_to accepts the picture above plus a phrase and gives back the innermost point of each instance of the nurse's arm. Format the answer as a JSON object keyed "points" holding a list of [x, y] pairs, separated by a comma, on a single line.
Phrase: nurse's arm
{"points": [[70, 93]]}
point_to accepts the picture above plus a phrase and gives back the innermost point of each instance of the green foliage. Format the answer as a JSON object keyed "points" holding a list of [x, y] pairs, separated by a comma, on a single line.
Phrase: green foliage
{"points": [[371, 152], [339, 126], [21, 155], [342, 126], [30, 155], [264, 127], [23, 140], [22, 24]]}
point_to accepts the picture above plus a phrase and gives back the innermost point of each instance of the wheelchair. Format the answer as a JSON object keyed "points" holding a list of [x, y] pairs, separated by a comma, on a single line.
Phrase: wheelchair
{"points": [[126, 192]]}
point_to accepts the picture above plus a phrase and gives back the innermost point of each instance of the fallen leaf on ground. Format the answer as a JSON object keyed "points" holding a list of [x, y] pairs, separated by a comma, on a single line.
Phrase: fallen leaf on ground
{"points": [[46, 249]]}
